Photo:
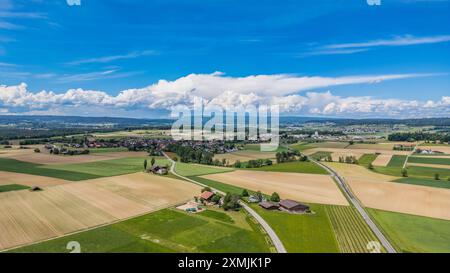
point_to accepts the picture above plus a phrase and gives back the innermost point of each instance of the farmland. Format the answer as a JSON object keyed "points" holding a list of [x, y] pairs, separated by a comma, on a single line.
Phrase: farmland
{"points": [[12, 187], [80, 171], [186, 169], [352, 233], [168, 231], [311, 188], [378, 191], [293, 167], [27, 217], [307, 233], [416, 234], [244, 155]]}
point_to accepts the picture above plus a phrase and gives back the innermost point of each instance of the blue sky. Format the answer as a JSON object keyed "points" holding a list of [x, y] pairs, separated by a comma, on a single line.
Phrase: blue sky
{"points": [[164, 50]]}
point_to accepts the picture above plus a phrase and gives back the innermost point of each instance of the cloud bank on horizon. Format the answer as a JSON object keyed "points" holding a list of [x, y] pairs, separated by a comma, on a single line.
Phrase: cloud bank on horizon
{"points": [[292, 93]]}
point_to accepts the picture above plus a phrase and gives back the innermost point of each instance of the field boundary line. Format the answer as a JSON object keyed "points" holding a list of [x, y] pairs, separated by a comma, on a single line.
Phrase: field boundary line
{"points": [[359, 207], [273, 236], [165, 206]]}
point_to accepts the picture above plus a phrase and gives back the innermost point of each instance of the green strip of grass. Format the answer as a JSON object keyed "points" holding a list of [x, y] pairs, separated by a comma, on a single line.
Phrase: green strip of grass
{"points": [[186, 169], [425, 160], [320, 155], [366, 159], [397, 161], [293, 167], [218, 185], [13, 187], [411, 233], [167, 230], [425, 182]]}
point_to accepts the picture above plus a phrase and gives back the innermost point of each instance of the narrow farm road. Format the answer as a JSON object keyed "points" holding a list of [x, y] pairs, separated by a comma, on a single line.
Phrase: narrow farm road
{"points": [[343, 185], [273, 236]]}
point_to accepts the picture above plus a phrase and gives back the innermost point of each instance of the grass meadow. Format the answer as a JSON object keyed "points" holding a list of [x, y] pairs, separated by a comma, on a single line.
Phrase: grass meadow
{"points": [[166, 231], [410, 233]]}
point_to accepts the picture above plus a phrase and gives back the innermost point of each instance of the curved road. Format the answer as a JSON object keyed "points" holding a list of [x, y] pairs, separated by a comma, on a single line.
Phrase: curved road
{"points": [[273, 236], [343, 185]]}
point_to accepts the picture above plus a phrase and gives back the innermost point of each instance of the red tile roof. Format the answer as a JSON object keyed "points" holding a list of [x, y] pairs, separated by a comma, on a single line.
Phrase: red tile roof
{"points": [[206, 195]]}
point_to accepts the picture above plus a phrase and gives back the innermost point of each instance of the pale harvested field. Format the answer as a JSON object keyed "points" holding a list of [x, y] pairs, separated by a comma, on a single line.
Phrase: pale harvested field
{"points": [[439, 166], [310, 188], [382, 160], [27, 217], [7, 178], [443, 149], [244, 156], [28, 155], [375, 191]]}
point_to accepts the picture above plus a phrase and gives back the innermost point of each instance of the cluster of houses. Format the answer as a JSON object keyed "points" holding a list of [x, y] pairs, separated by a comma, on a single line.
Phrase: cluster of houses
{"points": [[427, 152]]}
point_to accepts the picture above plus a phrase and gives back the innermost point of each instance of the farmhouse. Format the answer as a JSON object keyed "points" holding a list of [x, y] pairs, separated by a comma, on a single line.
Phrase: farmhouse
{"points": [[293, 206], [269, 205], [159, 170]]}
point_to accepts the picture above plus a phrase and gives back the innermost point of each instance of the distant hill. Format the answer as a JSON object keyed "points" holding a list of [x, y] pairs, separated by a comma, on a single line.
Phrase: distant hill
{"points": [[134, 122]]}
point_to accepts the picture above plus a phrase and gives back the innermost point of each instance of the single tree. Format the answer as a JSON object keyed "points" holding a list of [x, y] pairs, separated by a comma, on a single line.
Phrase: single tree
{"points": [[436, 177], [206, 189], [153, 161], [404, 172], [259, 196], [370, 166], [245, 193], [275, 197], [145, 164]]}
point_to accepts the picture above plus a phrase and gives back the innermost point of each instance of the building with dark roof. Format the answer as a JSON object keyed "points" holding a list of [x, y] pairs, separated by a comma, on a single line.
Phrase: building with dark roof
{"points": [[268, 205], [293, 206]]}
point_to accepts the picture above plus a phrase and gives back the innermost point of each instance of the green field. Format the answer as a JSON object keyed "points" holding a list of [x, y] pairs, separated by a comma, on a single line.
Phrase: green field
{"points": [[302, 233], [186, 169], [12, 165], [411, 233], [397, 161], [352, 233], [293, 167], [167, 230], [79, 171], [425, 182], [427, 160], [366, 159], [12, 187]]}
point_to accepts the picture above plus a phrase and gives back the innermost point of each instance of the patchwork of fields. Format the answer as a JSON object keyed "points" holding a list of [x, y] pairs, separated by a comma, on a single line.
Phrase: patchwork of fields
{"points": [[377, 191], [26, 217], [167, 231]]}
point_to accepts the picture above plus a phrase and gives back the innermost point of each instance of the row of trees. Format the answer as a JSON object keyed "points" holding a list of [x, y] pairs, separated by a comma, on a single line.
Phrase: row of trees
{"points": [[348, 159], [287, 156], [419, 136]]}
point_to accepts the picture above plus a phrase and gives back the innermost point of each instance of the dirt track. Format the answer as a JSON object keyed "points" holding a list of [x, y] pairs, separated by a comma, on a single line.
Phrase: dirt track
{"points": [[375, 191], [26, 217], [312, 188]]}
